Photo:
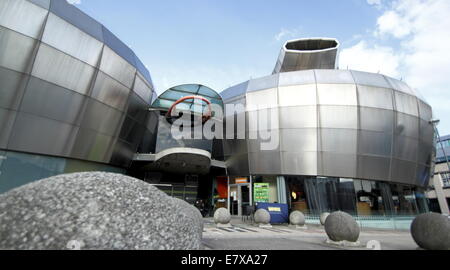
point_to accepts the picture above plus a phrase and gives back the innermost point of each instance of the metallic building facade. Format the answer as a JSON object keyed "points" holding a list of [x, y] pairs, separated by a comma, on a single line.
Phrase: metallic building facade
{"points": [[72, 95], [333, 123]]}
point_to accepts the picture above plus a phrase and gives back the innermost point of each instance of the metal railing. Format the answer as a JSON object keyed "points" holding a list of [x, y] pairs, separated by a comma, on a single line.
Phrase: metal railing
{"points": [[395, 222]]}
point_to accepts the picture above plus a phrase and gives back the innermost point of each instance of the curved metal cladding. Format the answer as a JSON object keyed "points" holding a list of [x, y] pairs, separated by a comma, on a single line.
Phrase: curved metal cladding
{"points": [[68, 87], [307, 53], [335, 123]]}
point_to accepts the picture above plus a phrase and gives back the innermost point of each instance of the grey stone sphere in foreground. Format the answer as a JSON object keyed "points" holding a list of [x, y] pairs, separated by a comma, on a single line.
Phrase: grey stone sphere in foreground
{"points": [[262, 216], [96, 211], [340, 226], [431, 231], [222, 216], [297, 218], [323, 218]]}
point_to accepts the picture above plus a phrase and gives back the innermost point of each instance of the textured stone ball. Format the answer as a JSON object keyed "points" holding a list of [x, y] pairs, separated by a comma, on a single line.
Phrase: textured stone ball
{"points": [[297, 218], [96, 211], [431, 231], [193, 212], [222, 216], [340, 226], [323, 218], [262, 216]]}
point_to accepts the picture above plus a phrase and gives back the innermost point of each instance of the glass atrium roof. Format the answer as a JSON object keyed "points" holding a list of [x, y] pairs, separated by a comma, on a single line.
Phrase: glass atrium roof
{"points": [[170, 96]]}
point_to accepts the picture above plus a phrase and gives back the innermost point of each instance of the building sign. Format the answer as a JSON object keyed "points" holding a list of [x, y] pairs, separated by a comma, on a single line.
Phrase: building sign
{"points": [[242, 180], [261, 192]]}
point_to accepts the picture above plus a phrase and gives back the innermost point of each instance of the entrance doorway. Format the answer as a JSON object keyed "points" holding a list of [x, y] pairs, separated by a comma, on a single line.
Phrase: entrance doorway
{"points": [[240, 198]]}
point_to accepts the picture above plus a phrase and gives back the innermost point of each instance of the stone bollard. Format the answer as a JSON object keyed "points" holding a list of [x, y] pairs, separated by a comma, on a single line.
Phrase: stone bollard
{"points": [[342, 229], [96, 211], [222, 217], [431, 231], [297, 220], [323, 218], [262, 218]]}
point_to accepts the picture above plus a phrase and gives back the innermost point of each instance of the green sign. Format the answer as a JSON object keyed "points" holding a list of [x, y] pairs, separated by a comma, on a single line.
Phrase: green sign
{"points": [[261, 192]]}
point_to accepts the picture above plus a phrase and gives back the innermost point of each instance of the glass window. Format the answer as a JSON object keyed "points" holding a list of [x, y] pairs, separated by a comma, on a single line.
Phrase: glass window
{"points": [[373, 198], [404, 200]]}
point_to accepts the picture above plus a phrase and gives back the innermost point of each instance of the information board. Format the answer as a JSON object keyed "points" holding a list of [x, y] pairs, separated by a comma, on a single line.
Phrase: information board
{"points": [[261, 192]]}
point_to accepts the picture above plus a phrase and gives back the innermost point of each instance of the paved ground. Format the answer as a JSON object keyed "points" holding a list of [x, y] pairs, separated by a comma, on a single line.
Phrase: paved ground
{"points": [[248, 237]]}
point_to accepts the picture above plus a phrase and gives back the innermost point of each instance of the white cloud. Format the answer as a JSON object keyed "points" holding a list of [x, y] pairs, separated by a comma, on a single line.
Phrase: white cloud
{"points": [[74, 2], [287, 34], [421, 27], [370, 58]]}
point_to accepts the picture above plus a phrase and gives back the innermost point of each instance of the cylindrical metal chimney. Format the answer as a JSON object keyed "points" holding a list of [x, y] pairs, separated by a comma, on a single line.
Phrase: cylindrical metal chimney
{"points": [[307, 53]]}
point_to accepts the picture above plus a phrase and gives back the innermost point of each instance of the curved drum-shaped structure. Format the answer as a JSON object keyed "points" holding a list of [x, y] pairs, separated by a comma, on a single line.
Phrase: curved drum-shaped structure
{"points": [[335, 135], [72, 95]]}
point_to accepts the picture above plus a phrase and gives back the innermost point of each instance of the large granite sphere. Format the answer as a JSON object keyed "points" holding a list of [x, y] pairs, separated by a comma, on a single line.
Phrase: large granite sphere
{"points": [[431, 231], [222, 216], [262, 216], [297, 218], [96, 211], [340, 226], [193, 212], [323, 218]]}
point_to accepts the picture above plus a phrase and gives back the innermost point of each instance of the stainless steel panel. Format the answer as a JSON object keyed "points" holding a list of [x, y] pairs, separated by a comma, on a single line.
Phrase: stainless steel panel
{"points": [[375, 143], [406, 148], [262, 99], [71, 40], [263, 83], [238, 165], [42, 3], [93, 146], [41, 135], [119, 47], [298, 95], [62, 69], [235, 91], [338, 140], [425, 111], [48, 100], [298, 140], [143, 89], [122, 154], [137, 109], [375, 97], [12, 85], [259, 120], [266, 162], [399, 86], [373, 168], [16, 50], [7, 118], [297, 78], [370, 79], [406, 103], [337, 94], [78, 18], [131, 132], [333, 76], [423, 175], [110, 92], [337, 164], [376, 119], [426, 132], [117, 67], [299, 163], [403, 172], [102, 118], [407, 125], [425, 155], [22, 16], [298, 117], [338, 117]]}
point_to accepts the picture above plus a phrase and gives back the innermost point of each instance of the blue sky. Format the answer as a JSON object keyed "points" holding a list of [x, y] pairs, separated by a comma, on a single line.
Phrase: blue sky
{"points": [[224, 42]]}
